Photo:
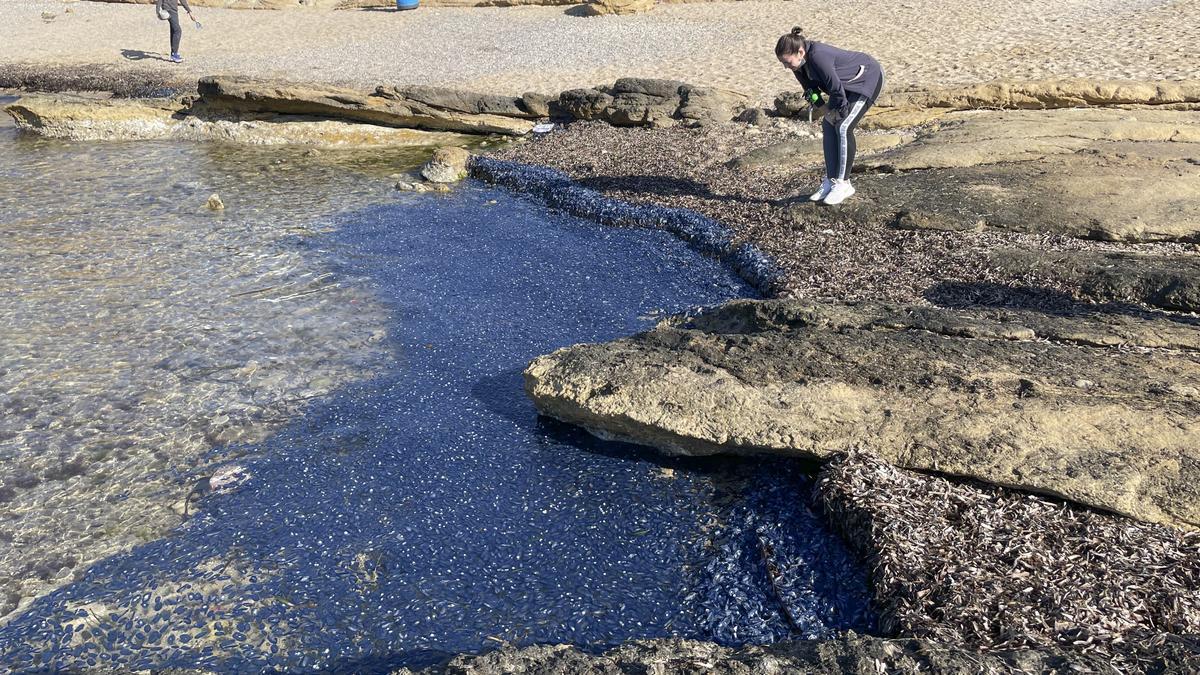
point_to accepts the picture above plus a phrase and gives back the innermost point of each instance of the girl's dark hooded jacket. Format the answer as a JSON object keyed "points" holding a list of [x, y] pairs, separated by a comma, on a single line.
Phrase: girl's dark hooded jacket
{"points": [[838, 71]]}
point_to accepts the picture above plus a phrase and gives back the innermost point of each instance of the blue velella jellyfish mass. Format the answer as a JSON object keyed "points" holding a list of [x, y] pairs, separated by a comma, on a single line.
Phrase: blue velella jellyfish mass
{"points": [[427, 509]]}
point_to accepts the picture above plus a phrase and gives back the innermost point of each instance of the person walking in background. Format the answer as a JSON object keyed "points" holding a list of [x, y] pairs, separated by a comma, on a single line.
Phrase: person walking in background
{"points": [[168, 10], [852, 80]]}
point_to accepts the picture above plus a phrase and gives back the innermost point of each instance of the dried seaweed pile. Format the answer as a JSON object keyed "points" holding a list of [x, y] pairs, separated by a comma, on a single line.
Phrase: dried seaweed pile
{"points": [[846, 654], [976, 565], [121, 82], [687, 168]]}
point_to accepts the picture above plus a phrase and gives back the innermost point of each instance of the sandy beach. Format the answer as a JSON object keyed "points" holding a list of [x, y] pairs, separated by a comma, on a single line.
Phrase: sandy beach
{"points": [[548, 49]]}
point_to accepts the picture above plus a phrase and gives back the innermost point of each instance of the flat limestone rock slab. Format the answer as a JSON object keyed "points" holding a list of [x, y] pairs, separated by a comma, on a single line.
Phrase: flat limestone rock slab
{"points": [[993, 137], [458, 100], [1018, 399], [257, 95], [603, 7], [1129, 175], [1049, 93], [89, 119], [879, 118], [1168, 282], [1110, 191]]}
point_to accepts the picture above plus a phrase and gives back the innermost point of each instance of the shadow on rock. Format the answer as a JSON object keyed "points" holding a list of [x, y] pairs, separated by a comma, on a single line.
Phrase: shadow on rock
{"points": [[965, 295]]}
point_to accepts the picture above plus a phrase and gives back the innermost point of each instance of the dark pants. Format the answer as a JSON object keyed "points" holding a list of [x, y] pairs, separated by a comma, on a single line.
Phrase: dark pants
{"points": [[176, 31], [839, 138]]}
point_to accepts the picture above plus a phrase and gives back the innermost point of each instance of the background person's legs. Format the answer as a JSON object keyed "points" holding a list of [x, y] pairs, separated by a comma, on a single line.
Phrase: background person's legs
{"points": [[176, 31]]}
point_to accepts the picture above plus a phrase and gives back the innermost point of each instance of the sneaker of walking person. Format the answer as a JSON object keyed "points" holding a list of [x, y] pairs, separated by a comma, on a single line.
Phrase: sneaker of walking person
{"points": [[176, 58], [823, 192], [841, 191]]}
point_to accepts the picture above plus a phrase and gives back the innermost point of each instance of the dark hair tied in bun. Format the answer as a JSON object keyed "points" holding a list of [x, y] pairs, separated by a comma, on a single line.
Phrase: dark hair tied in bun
{"points": [[791, 43]]}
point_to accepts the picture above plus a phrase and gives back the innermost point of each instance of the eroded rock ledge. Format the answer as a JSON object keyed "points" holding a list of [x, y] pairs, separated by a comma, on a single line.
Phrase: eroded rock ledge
{"points": [[88, 119], [1108, 174], [1103, 410], [387, 106], [260, 111]]}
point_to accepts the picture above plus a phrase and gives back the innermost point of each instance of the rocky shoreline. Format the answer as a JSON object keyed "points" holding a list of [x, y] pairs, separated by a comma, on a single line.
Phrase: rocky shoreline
{"points": [[989, 270], [1001, 304], [1046, 266]]}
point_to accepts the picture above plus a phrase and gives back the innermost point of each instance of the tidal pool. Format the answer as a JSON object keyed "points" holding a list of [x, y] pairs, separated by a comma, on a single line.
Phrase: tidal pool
{"points": [[384, 493]]}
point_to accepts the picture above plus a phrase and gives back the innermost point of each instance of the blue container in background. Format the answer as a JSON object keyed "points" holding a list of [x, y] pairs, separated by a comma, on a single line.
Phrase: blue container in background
{"points": [[407, 4]]}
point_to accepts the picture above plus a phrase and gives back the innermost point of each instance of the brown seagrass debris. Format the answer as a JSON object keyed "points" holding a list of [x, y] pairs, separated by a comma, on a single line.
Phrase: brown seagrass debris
{"points": [[965, 563]]}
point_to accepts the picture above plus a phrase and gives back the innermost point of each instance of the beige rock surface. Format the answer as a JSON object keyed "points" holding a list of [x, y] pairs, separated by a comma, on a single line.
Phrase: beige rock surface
{"points": [[87, 119], [1048, 93], [710, 105], [901, 117], [978, 138], [1018, 399], [457, 100], [1129, 175], [387, 106], [602, 7]]}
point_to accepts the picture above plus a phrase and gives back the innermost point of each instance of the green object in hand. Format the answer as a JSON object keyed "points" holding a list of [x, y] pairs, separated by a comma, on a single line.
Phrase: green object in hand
{"points": [[813, 97]]}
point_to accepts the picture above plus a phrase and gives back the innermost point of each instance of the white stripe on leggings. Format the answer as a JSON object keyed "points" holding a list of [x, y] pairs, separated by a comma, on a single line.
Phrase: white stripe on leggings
{"points": [[858, 106]]}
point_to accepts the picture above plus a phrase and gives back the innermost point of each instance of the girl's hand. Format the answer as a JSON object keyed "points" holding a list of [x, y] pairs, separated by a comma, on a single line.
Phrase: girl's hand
{"points": [[835, 117]]}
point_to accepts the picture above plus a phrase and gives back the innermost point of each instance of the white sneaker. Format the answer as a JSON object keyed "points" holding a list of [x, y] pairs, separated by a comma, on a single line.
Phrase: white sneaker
{"points": [[826, 186], [842, 189]]}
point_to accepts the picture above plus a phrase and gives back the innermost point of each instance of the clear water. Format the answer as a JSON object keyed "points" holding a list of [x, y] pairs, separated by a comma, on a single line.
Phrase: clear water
{"points": [[396, 496]]}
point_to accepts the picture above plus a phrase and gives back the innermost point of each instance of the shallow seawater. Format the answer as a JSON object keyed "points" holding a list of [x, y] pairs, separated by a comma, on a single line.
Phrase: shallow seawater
{"points": [[384, 493], [140, 329]]}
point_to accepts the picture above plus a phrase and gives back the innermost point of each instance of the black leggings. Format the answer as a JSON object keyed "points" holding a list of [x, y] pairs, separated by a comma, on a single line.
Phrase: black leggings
{"points": [[176, 31], [839, 140]]}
